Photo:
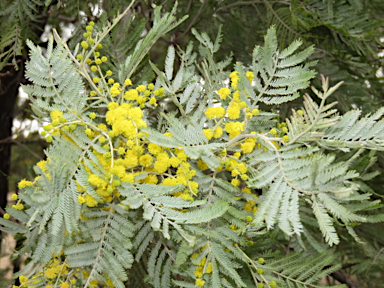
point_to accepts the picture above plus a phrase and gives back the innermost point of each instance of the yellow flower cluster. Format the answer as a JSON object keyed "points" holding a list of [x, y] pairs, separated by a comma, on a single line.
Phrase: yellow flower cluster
{"points": [[234, 76], [49, 276], [250, 206], [125, 119], [249, 145], [215, 112], [24, 183]]}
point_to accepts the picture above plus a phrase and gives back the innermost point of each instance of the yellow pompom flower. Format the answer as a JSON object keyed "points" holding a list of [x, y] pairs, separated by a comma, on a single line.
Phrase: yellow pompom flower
{"points": [[128, 82], [23, 279], [200, 282], [286, 138], [234, 128], [64, 284], [233, 111], [218, 132], [255, 112], [84, 44], [24, 183], [90, 201], [199, 272], [250, 75], [14, 197], [208, 133], [235, 182], [131, 94], [50, 273], [111, 81], [104, 59], [174, 162], [88, 132], [140, 88], [152, 101], [224, 92], [209, 268], [247, 147], [154, 149], [146, 160], [6, 216], [80, 199], [213, 112], [234, 79], [201, 165]]}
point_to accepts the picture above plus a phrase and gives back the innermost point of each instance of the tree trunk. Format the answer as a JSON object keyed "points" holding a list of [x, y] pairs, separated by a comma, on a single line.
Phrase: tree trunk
{"points": [[10, 80]]}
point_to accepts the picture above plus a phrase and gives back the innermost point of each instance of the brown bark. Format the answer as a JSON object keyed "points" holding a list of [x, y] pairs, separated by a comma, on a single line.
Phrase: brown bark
{"points": [[10, 80]]}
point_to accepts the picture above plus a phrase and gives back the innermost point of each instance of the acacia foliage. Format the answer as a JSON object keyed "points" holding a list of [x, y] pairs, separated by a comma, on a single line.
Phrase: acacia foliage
{"points": [[200, 197]]}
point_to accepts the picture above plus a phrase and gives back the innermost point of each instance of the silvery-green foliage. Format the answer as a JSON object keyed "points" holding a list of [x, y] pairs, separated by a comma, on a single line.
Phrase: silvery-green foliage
{"points": [[306, 190]]}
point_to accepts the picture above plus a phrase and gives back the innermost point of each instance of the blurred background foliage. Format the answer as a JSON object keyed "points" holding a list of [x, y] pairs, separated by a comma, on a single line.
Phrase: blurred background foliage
{"points": [[348, 39]]}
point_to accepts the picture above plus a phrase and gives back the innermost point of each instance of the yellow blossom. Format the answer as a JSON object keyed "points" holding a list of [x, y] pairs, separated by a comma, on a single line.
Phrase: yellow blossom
{"points": [[200, 282], [152, 101], [151, 179], [233, 111], [18, 206], [255, 112], [247, 147], [234, 79], [250, 75], [208, 133], [224, 92], [24, 183], [218, 112], [234, 128], [90, 201], [218, 132], [199, 272], [23, 279], [128, 82], [273, 131], [174, 162], [154, 149], [209, 268], [140, 88], [50, 273], [201, 165], [131, 94], [64, 284], [235, 182], [146, 160], [80, 199]]}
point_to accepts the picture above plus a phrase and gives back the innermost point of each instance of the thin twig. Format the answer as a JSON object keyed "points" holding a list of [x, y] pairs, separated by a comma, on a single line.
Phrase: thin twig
{"points": [[280, 20], [26, 148], [192, 21]]}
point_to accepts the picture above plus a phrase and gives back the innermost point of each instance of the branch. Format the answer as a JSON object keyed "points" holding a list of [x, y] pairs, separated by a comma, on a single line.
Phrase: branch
{"points": [[344, 278], [192, 21]]}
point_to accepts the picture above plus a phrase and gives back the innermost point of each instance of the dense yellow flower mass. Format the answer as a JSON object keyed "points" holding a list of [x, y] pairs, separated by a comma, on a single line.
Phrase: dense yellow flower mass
{"points": [[215, 112], [122, 152]]}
